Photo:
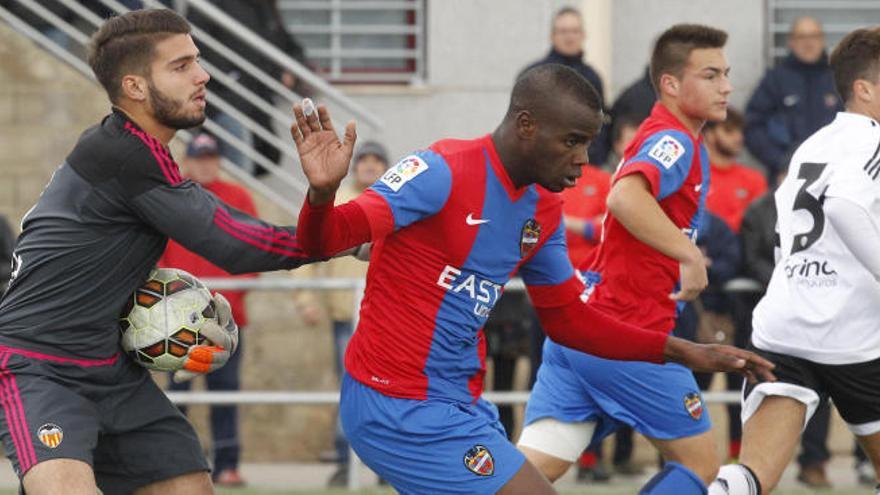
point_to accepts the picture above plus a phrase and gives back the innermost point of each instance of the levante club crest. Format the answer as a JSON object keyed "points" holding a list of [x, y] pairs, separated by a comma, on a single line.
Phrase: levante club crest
{"points": [[531, 232], [479, 461], [694, 405]]}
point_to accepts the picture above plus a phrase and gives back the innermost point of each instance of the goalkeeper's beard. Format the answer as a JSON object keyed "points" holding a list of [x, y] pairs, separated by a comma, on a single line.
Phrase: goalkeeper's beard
{"points": [[170, 112]]}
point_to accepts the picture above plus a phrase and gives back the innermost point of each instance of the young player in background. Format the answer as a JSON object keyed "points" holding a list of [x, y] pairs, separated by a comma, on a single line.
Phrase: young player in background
{"points": [[450, 226], [646, 263], [818, 320]]}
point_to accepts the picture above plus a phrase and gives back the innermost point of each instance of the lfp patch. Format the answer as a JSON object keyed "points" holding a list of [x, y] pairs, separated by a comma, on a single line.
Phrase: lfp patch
{"points": [[693, 403], [405, 171], [531, 232], [51, 435], [667, 151], [479, 461]]}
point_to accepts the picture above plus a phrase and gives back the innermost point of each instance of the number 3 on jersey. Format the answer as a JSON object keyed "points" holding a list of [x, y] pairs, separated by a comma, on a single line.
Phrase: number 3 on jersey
{"points": [[810, 173]]}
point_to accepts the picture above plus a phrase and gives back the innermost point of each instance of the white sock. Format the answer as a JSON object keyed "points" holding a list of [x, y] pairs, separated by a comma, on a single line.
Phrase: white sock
{"points": [[735, 479]]}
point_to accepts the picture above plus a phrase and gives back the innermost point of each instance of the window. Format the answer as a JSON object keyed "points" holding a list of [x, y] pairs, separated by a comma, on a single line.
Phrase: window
{"points": [[360, 41], [838, 17]]}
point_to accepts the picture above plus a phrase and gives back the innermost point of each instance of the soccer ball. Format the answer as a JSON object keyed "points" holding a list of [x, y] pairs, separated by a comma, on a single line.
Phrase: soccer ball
{"points": [[164, 317]]}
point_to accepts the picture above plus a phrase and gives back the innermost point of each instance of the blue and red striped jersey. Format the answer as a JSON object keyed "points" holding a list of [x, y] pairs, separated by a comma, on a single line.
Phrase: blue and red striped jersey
{"points": [[634, 279], [461, 229]]}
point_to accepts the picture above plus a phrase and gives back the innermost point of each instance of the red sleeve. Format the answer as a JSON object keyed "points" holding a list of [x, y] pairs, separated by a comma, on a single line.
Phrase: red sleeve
{"points": [[326, 230], [649, 171], [760, 185], [570, 322]]}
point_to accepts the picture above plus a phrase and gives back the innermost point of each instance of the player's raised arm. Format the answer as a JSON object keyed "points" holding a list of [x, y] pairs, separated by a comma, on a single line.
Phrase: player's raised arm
{"points": [[195, 218], [416, 187], [323, 156]]}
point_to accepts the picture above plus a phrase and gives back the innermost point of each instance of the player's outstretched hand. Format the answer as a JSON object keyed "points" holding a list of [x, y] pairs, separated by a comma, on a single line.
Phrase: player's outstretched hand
{"points": [[222, 342], [716, 357], [323, 156], [694, 279]]}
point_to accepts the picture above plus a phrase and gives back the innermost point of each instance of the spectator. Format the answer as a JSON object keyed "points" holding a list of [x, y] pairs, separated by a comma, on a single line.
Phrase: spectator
{"points": [[583, 208], [202, 165], [370, 162], [623, 130], [733, 186], [634, 104], [263, 18], [758, 234], [636, 100], [793, 99], [7, 244], [567, 48]]}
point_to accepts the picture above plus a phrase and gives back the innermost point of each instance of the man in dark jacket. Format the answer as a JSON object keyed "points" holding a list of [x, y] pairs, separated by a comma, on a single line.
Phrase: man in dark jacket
{"points": [[636, 100], [793, 99], [567, 48]]}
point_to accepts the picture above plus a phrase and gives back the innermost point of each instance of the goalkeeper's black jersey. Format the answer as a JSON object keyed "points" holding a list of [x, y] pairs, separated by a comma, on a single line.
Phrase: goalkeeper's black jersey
{"points": [[100, 226]]}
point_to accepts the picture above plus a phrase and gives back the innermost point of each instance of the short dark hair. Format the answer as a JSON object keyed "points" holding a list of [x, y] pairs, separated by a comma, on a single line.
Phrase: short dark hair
{"points": [[566, 11], [734, 120], [125, 44], [675, 45], [856, 56], [536, 85], [622, 122]]}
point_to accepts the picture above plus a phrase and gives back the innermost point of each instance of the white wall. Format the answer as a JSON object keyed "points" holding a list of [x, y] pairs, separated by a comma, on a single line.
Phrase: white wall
{"points": [[475, 48], [637, 23]]}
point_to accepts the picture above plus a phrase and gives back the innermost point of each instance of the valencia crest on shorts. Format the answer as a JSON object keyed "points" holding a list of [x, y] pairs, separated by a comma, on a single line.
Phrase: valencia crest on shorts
{"points": [[51, 435], [694, 405], [531, 232], [479, 461]]}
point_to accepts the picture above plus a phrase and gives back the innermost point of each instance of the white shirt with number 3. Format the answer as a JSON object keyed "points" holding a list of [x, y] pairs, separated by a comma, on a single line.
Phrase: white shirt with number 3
{"points": [[822, 304]]}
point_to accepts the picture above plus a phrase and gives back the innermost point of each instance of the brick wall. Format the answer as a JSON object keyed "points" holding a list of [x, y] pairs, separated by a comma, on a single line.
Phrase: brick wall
{"points": [[44, 106]]}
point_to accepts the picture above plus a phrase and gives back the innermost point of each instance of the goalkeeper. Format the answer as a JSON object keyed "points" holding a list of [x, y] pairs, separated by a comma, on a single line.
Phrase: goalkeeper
{"points": [[77, 415]]}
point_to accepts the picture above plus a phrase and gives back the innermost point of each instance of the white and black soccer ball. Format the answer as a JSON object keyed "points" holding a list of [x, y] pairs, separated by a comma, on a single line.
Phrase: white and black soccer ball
{"points": [[164, 318]]}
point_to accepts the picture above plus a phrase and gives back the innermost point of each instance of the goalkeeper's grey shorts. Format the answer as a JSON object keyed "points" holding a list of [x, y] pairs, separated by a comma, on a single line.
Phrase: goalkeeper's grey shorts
{"points": [[108, 413]]}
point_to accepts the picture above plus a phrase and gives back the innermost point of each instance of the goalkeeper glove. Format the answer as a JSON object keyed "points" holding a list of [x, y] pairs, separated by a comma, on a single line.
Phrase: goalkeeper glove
{"points": [[222, 342]]}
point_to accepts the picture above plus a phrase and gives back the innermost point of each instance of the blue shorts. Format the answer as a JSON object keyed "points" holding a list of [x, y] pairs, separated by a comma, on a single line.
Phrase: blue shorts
{"points": [[428, 446], [658, 400]]}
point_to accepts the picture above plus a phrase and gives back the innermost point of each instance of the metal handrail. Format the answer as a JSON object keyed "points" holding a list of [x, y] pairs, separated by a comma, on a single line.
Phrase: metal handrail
{"points": [[266, 134], [75, 62], [245, 34], [44, 41], [262, 76], [351, 4]]}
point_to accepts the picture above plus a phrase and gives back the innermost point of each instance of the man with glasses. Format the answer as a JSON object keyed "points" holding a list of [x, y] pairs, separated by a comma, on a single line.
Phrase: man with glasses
{"points": [[793, 100]]}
